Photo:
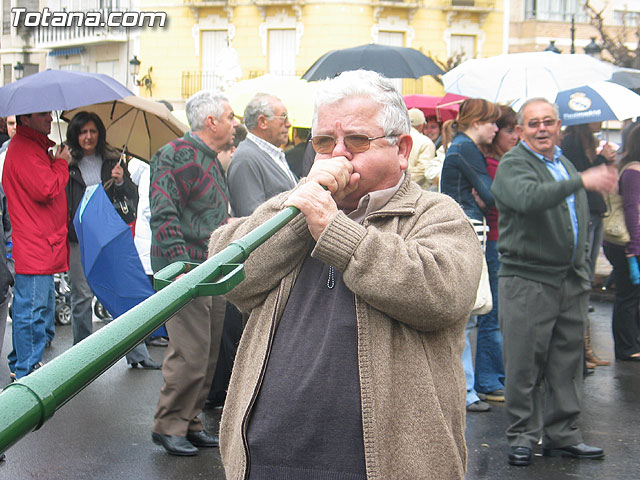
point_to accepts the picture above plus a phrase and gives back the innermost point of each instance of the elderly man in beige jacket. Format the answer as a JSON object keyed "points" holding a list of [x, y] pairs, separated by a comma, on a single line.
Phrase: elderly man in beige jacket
{"points": [[424, 166], [349, 365]]}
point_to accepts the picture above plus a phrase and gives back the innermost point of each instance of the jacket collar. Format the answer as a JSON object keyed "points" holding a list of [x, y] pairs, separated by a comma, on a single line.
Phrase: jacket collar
{"points": [[39, 138], [194, 138], [403, 201]]}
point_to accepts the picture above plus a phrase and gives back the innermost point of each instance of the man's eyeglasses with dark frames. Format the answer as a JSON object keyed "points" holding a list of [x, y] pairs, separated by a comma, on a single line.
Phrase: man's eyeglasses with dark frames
{"points": [[355, 143], [547, 122]]}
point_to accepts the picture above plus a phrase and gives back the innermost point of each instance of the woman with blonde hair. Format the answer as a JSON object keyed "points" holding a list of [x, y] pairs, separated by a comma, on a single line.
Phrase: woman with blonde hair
{"points": [[465, 167], [464, 174]]}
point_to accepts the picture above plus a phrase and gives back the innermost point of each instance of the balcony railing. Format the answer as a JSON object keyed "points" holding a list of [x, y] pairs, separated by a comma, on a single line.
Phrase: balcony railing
{"points": [[474, 4], [53, 37], [555, 15], [193, 82]]}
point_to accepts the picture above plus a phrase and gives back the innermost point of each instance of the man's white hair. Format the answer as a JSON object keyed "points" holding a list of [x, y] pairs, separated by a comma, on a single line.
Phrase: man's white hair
{"points": [[393, 117], [201, 104]]}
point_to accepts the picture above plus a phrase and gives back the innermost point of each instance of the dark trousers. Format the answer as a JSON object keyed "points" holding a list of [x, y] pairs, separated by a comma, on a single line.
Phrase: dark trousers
{"points": [[625, 322], [231, 333], [543, 331]]}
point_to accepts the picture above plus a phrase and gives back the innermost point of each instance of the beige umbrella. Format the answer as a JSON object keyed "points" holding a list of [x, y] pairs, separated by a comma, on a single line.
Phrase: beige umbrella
{"points": [[140, 126]]}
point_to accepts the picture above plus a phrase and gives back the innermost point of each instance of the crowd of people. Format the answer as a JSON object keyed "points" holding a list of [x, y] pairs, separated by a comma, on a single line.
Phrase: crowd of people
{"points": [[349, 341]]}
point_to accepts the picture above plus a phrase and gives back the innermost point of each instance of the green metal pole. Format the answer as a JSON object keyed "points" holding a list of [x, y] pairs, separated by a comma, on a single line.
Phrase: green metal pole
{"points": [[26, 404]]}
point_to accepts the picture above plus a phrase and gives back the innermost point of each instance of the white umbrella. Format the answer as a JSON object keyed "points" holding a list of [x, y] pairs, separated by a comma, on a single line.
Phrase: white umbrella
{"points": [[519, 76], [597, 102]]}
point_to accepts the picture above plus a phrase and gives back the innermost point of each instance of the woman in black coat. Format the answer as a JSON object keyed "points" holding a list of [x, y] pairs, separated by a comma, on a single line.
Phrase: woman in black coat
{"points": [[580, 145], [94, 162]]}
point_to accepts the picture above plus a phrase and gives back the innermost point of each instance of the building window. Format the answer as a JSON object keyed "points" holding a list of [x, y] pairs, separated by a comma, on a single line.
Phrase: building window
{"points": [[109, 68], [6, 73], [213, 42], [392, 39], [77, 67], [6, 17], [282, 51], [464, 45], [626, 18], [556, 10]]}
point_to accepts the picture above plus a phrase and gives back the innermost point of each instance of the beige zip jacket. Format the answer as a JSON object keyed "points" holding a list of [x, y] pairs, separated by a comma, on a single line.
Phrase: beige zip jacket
{"points": [[414, 267]]}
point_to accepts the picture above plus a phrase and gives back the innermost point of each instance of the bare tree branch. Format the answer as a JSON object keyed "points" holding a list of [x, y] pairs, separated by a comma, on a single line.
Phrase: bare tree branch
{"points": [[450, 63], [614, 44]]}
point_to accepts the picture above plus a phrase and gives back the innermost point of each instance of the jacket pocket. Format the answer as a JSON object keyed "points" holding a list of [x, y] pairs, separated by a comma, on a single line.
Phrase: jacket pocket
{"points": [[56, 240]]}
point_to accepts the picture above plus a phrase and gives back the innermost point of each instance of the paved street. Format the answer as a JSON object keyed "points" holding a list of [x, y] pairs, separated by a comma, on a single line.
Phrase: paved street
{"points": [[104, 433]]}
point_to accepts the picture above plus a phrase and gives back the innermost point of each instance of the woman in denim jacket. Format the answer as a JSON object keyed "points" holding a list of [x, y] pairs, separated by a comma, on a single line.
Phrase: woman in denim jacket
{"points": [[465, 167], [464, 173]]}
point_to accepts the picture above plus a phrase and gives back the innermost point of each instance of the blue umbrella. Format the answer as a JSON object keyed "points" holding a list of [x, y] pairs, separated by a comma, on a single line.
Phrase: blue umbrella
{"points": [[597, 102], [58, 90], [109, 257]]}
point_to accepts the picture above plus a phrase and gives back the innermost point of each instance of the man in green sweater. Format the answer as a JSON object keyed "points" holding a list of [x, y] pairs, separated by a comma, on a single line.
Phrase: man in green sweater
{"points": [[543, 285], [189, 200]]}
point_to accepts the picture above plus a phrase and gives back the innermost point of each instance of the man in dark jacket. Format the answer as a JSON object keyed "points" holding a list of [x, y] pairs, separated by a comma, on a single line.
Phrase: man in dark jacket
{"points": [[543, 285], [188, 199], [34, 181]]}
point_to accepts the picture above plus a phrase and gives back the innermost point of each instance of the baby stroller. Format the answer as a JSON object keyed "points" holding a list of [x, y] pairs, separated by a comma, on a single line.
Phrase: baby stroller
{"points": [[63, 298], [63, 301]]}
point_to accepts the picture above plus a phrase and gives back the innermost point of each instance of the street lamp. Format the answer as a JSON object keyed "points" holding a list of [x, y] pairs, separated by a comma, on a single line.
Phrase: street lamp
{"points": [[573, 34], [19, 70], [552, 47], [593, 49], [135, 68]]}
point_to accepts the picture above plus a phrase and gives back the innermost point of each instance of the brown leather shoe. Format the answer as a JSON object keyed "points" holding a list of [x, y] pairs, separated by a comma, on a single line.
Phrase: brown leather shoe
{"points": [[589, 355], [596, 361]]}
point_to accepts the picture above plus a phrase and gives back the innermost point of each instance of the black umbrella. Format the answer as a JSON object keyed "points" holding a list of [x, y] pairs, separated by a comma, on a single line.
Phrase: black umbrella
{"points": [[392, 62], [627, 77]]}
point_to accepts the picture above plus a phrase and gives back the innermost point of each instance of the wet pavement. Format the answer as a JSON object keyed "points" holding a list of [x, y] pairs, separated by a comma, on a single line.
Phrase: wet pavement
{"points": [[104, 432]]}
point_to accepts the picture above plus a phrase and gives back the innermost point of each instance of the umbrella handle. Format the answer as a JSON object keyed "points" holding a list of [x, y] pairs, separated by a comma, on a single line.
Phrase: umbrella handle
{"points": [[124, 147]]}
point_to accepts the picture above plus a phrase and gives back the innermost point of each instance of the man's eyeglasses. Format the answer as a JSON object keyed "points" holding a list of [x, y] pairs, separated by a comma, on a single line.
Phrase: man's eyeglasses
{"points": [[355, 143], [547, 122], [284, 117]]}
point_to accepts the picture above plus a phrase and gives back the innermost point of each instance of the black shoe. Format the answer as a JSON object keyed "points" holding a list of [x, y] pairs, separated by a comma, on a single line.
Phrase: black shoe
{"points": [[2, 457], [175, 444], [630, 358], [203, 439], [579, 450], [147, 364], [157, 342], [36, 367], [519, 456], [591, 309], [478, 406]]}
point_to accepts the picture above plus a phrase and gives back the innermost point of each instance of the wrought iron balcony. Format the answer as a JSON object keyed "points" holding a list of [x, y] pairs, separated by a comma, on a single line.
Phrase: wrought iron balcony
{"points": [[471, 5], [193, 82], [59, 37]]}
